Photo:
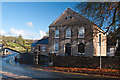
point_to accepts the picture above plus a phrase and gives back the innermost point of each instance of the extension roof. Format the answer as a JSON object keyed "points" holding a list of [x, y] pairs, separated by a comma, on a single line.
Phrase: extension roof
{"points": [[44, 40]]}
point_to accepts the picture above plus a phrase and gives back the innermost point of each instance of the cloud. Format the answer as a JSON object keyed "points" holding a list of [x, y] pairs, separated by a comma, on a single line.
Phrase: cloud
{"points": [[29, 24], [2, 32], [42, 34], [16, 32], [25, 34]]}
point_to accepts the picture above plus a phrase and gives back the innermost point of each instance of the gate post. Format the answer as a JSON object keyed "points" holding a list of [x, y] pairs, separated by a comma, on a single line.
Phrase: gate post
{"points": [[36, 57]]}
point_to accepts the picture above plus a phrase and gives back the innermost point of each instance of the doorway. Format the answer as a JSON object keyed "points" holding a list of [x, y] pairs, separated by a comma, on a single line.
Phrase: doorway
{"points": [[68, 49]]}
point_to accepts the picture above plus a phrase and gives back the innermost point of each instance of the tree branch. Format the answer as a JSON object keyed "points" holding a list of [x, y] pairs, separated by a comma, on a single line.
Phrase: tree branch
{"points": [[113, 20]]}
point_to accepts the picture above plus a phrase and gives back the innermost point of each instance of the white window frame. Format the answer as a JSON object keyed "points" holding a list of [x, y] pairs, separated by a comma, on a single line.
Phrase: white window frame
{"points": [[67, 32], [81, 32], [56, 46], [43, 48]]}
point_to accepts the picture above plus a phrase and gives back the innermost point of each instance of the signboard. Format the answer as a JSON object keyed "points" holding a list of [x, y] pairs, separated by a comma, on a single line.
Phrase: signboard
{"points": [[99, 39]]}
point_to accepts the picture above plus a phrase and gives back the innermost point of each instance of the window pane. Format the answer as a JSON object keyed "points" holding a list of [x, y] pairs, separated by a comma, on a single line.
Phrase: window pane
{"points": [[56, 46], [81, 32], [43, 48], [68, 33], [56, 33]]}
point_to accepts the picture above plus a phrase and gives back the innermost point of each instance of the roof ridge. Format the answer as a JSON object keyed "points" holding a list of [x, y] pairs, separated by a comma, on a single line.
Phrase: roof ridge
{"points": [[59, 16], [75, 15], [83, 17], [43, 38]]}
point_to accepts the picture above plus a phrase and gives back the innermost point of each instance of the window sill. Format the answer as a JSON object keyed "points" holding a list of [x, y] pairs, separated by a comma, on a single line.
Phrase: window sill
{"points": [[56, 37], [43, 51], [68, 37], [81, 37], [81, 53], [56, 51]]}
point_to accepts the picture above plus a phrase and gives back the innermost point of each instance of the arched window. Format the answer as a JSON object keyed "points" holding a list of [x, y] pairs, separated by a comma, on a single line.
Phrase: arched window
{"points": [[56, 33], [81, 32], [68, 33], [81, 48]]}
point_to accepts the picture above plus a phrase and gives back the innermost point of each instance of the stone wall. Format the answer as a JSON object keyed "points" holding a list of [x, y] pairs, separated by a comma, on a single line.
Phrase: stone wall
{"points": [[30, 59], [26, 58], [86, 62], [74, 40], [42, 52]]}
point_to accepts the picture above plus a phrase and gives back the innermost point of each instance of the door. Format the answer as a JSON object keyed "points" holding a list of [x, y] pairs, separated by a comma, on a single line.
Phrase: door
{"points": [[68, 49]]}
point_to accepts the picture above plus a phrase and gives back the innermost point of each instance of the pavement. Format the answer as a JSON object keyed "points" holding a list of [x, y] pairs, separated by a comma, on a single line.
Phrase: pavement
{"points": [[13, 70]]}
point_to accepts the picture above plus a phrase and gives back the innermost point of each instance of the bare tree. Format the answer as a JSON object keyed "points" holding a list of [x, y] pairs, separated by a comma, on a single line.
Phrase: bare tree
{"points": [[105, 14]]}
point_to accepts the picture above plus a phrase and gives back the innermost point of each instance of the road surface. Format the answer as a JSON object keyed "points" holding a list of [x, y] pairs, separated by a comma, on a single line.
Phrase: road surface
{"points": [[23, 71]]}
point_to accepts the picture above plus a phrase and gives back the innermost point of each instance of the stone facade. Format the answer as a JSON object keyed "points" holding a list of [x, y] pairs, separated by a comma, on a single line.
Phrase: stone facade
{"points": [[39, 47], [90, 39]]}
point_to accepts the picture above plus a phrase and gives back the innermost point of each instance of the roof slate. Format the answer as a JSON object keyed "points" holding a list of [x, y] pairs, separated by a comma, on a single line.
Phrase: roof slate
{"points": [[42, 41], [76, 19]]}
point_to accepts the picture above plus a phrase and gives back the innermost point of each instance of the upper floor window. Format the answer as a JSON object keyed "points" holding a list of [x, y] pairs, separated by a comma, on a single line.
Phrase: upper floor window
{"points": [[68, 33], [43, 48], [81, 32], [56, 33], [99, 39], [56, 47], [68, 17]]}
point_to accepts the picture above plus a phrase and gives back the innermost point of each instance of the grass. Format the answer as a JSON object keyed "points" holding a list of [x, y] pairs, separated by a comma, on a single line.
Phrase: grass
{"points": [[27, 45], [17, 47], [11, 44]]}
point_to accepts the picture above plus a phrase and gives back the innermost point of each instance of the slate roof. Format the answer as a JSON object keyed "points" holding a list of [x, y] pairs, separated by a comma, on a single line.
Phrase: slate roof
{"points": [[42, 41], [33, 44], [76, 19]]}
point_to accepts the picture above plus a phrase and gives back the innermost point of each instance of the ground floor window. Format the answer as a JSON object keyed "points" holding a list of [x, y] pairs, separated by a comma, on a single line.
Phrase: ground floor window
{"points": [[56, 47], [81, 48], [43, 48]]}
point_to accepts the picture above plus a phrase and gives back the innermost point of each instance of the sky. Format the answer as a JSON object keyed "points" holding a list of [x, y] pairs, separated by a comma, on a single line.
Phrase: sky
{"points": [[31, 19]]}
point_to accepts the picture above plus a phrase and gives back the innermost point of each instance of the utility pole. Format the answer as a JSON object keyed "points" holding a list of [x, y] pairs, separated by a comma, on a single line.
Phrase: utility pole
{"points": [[100, 57], [100, 49]]}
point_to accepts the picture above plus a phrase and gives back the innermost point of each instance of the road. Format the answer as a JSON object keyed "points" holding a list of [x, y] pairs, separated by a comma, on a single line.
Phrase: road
{"points": [[22, 71]]}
